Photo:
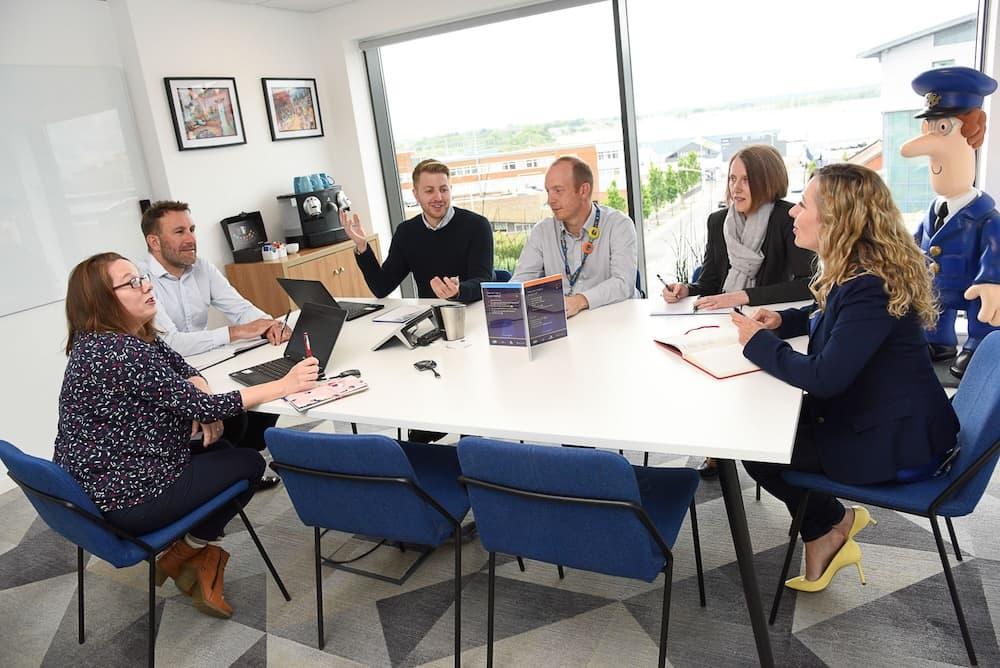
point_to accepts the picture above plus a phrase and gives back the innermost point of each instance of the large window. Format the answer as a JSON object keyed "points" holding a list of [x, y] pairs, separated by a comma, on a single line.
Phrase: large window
{"points": [[820, 83], [498, 116]]}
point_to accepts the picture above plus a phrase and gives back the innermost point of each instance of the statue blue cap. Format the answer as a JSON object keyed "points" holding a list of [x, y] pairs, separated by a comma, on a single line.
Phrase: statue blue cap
{"points": [[949, 91]]}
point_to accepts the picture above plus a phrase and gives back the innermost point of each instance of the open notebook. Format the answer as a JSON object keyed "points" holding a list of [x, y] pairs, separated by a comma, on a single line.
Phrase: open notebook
{"points": [[715, 349]]}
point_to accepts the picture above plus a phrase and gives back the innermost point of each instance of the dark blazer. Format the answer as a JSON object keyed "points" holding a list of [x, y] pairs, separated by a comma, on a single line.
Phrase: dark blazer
{"points": [[874, 404], [783, 275]]}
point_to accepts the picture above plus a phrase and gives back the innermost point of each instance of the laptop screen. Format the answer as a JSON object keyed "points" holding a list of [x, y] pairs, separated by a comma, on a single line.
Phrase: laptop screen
{"points": [[304, 291], [323, 324]]}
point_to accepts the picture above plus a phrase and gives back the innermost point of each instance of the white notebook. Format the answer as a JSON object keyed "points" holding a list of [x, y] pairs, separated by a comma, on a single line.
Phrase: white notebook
{"points": [[683, 307], [715, 349]]}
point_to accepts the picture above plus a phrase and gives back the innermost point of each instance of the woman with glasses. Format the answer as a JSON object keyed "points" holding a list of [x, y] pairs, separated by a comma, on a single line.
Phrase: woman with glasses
{"points": [[128, 409], [874, 410], [751, 256]]}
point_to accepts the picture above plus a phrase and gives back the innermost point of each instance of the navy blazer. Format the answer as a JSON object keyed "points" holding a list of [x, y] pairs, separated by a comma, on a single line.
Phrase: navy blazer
{"points": [[874, 404]]}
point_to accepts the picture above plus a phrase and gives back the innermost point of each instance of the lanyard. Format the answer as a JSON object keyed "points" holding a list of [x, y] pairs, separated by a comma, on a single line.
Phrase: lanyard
{"points": [[593, 233]]}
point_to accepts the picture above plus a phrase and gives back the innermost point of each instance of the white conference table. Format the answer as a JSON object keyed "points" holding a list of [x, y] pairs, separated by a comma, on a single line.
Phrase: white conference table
{"points": [[608, 384]]}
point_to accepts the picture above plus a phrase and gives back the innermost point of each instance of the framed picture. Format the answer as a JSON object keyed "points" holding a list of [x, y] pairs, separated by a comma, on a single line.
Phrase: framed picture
{"points": [[292, 108], [206, 112]]}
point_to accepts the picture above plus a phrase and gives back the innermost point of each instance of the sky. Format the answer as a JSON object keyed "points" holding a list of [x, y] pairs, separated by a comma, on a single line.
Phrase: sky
{"points": [[562, 65]]}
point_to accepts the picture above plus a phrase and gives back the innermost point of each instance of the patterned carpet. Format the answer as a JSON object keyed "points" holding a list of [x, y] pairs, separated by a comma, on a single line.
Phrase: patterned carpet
{"points": [[903, 617]]}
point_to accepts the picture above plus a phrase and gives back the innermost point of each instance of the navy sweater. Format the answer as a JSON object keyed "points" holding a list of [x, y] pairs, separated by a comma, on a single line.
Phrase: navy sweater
{"points": [[464, 248]]}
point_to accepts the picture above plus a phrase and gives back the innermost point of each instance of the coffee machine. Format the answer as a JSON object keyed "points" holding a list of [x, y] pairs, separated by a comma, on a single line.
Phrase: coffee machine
{"points": [[312, 219]]}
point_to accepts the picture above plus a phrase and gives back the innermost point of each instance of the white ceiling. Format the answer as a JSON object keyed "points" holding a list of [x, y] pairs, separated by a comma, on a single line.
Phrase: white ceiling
{"points": [[308, 6]]}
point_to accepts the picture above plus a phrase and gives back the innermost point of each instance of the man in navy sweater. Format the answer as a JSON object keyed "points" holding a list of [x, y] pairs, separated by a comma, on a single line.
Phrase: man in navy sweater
{"points": [[448, 250]]}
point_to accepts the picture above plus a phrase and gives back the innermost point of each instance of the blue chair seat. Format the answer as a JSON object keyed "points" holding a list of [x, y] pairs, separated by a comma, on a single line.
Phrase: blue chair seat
{"points": [[913, 497], [666, 494], [130, 554]]}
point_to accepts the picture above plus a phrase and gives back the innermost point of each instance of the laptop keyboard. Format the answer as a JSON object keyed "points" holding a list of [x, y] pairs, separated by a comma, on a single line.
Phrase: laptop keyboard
{"points": [[275, 368]]}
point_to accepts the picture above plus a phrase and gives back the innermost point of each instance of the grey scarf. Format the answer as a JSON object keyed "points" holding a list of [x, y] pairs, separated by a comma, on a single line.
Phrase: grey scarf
{"points": [[744, 236]]}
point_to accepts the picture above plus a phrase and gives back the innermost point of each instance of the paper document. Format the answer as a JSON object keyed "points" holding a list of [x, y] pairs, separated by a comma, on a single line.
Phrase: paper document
{"points": [[683, 307], [400, 314], [715, 349], [212, 357]]}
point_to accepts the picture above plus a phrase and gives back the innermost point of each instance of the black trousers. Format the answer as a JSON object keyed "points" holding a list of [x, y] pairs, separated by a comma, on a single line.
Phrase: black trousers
{"points": [[246, 430], [824, 511], [209, 473]]}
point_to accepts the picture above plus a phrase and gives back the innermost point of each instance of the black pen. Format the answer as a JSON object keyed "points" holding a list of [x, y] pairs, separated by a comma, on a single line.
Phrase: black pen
{"points": [[284, 323], [665, 284], [739, 310]]}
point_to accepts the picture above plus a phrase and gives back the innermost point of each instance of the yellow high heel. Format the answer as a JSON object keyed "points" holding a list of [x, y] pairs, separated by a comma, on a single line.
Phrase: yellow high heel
{"points": [[862, 518], [848, 554]]}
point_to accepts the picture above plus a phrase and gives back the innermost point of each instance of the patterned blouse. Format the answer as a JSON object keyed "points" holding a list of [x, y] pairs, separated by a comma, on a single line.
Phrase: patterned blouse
{"points": [[125, 413]]}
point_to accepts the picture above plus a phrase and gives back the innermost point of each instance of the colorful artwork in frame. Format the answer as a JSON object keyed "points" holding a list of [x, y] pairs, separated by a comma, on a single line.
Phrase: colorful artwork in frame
{"points": [[205, 111], [292, 108]]}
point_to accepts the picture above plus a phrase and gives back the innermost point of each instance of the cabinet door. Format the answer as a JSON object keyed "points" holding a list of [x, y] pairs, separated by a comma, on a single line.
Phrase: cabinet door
{"points": [[351, 279], [325, 269]]}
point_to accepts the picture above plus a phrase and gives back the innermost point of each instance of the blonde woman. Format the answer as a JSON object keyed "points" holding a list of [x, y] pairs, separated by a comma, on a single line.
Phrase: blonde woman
{"points": [[874, 411]]}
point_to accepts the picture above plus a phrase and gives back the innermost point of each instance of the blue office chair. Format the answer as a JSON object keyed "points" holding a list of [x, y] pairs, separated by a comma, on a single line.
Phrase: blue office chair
{"points": [[374, 486], [956, 494], [638, 285], [587, 509], [696, 274], [68, 511], [501, 275]]}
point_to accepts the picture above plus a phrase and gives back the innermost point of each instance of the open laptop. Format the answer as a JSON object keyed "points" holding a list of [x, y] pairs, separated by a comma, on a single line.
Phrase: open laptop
{"points": [[321, 323], [304, 291]]}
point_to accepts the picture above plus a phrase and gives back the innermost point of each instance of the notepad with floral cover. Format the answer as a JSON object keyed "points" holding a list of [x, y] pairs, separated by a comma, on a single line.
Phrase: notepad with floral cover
{"points": [[325, 392]]}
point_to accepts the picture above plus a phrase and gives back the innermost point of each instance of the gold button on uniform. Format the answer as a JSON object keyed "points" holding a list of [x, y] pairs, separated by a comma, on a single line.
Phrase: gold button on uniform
{"points": [[935, 268], [934, 251]]}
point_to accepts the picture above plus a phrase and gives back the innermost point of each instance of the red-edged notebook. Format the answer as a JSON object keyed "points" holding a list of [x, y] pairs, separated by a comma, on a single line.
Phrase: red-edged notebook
{"points": [[716, 350], [326, 392]]}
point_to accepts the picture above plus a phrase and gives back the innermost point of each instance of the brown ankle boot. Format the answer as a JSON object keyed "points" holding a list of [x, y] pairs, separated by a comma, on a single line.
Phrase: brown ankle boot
{"points": [[209, 565], [170, 564]]}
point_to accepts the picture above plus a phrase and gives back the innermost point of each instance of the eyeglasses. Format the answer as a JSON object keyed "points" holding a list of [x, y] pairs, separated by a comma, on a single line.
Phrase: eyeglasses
{"points": [[135, 282]]}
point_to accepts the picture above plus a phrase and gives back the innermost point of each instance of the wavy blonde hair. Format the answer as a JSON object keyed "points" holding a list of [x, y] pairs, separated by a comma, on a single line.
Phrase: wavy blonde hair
{"points": [[862, 232]]}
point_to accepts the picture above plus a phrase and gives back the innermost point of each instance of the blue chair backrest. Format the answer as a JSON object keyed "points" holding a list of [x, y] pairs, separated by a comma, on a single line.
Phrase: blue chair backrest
{"points": [[501, 275], [638, 284], [386, 510], [48, 477], [977, 404], [696, 274], [605, 540]]}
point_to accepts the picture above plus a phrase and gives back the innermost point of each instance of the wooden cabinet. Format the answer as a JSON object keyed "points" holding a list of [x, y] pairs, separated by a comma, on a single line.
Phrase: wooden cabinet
{"points": [[333, 265]]}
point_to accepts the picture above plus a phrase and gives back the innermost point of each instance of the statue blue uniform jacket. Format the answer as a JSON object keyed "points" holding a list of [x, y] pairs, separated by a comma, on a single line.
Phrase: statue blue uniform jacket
{"points": [[874, 405], [967, 251]]}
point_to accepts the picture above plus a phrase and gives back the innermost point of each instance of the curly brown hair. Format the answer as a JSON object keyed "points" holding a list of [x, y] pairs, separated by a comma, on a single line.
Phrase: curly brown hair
{"points": [[862, 232]]}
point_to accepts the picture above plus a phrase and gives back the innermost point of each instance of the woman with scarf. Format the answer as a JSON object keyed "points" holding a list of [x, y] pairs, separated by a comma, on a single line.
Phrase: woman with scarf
{"points": [[750, 257]]}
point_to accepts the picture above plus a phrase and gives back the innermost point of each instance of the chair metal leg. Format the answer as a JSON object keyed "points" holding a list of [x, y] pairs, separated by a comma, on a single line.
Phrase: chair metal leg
{"points": [[458, 597], [354, 427], [320, 637], [489, 610], [668, 577], [562, 573], [520, 564], [645, 459], [152, 611], [758, 491], [79, 594], [697, 553], [263, 553], [954, 539], [399, 433], [953, 590], [793, 536]]}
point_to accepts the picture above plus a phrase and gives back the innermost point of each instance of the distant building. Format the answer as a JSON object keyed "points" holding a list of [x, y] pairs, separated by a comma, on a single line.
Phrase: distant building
{"points": [[944, 45], [870, 156], [733, 143]]}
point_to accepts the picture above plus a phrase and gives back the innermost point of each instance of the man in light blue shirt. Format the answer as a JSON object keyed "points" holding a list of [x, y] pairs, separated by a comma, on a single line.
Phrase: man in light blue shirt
{"points": [[592, 246], [185, 288]]}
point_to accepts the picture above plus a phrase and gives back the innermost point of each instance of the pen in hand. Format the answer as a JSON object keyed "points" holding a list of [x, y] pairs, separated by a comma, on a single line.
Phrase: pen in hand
{"points": [[305, 339], [665, 284], [284, 323]]}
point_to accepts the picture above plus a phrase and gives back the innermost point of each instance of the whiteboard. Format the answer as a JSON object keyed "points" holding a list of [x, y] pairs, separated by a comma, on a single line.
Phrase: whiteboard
{"points": [[71, 176]]}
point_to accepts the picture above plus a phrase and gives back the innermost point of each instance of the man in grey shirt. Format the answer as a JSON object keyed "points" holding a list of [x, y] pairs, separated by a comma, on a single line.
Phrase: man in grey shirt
{"points": [[592, 246]]}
